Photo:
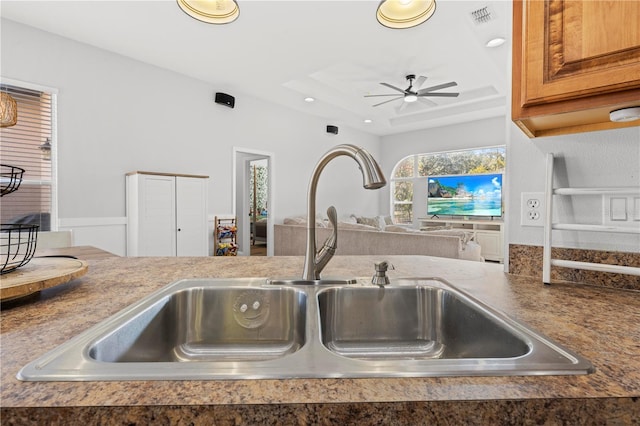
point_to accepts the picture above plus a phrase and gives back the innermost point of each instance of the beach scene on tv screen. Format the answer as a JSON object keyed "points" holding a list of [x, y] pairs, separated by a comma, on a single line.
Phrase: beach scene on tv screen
{"points": [[465, 195]]}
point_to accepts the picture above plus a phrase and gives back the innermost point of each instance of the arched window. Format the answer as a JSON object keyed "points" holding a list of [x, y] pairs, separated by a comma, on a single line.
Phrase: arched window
{"points": [[410, 176]]}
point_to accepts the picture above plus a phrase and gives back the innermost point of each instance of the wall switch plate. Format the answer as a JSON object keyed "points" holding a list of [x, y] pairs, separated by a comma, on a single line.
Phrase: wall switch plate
{"points": [[532, 209], [618, 208], [621, 210]]}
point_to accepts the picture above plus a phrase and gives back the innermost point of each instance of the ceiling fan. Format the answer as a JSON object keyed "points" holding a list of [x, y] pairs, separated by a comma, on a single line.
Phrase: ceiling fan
{"points": [[410, 95]]}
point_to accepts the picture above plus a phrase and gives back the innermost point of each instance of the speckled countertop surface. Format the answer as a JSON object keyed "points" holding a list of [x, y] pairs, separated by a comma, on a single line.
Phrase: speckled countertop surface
{"points": [[603, 325]]}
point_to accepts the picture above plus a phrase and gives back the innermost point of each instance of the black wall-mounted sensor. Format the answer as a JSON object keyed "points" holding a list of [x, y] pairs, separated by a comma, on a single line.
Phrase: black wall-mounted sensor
{"points": [[224, 99], [332, 129]]}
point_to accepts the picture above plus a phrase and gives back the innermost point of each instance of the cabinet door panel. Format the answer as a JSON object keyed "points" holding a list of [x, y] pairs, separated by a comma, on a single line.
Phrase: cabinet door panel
{"points": [[191, 217], [157, 216], [580, 48], [490, 244]]}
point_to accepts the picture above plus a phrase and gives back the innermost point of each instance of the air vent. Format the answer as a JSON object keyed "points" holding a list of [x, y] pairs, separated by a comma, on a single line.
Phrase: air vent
{"points": [[482, 15]]}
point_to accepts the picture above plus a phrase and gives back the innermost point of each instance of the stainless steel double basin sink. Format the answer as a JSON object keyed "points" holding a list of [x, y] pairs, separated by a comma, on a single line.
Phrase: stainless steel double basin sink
{"points": [[249, 329]]}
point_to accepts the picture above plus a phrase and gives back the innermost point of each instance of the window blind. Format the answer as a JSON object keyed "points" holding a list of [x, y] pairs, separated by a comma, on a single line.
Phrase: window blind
{"points": [[22, 146]]}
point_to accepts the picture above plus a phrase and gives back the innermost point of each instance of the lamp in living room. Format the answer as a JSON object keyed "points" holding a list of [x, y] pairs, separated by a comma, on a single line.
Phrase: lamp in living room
{"points": [[404, 13], [211, 11]]}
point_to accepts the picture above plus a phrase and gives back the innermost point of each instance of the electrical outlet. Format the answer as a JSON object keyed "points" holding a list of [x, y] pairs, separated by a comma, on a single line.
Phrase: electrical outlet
{"points": [[532, 209]]}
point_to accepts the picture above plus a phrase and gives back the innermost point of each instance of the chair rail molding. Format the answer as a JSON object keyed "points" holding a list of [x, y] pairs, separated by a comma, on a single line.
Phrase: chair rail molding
{"points": [[106, 233]]}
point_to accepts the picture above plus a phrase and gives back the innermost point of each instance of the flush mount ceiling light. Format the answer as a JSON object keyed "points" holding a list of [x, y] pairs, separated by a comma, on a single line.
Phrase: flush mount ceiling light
{"points": [[8, 110], [309, 99], [211, 11], [625, 114], [404, 13]]}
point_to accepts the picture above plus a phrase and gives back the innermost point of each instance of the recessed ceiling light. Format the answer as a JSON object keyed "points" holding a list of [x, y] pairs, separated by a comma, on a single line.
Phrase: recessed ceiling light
{"points": [[495, 42], [309, 99], [368, 120]]}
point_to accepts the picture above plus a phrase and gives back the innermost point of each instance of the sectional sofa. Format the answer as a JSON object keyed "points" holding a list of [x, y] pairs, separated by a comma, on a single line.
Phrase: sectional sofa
{"points": [[359, 239]]}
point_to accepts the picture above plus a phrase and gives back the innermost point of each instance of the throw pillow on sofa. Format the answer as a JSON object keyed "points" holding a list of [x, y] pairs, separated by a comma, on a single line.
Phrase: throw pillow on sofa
{"points": [[371, 221], [302, 221]]}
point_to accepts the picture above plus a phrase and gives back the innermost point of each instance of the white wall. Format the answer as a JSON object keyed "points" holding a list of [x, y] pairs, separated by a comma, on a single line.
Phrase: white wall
{"points": [[117, 115], [600, 159]]}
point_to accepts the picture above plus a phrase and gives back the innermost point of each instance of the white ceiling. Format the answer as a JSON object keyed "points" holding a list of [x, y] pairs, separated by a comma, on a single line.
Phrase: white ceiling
{"points": [[283, 51]]}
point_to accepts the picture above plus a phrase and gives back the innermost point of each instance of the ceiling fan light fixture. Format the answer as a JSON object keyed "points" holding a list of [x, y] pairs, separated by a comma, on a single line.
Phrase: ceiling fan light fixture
{"points": [[410, 98], [211, 11], [404, 13]]}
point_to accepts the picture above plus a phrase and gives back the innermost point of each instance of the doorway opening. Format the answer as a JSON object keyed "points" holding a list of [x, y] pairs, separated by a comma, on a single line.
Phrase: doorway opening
{"points": [[259, 205], [253, 201]]}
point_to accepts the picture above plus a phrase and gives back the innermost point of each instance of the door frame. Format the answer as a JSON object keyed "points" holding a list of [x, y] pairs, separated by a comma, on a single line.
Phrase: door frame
{"points": [[241, 159]]}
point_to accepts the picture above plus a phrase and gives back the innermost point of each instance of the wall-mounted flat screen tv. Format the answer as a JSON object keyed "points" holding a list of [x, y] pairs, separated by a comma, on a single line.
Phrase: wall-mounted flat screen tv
{"points": [[465, 195]]}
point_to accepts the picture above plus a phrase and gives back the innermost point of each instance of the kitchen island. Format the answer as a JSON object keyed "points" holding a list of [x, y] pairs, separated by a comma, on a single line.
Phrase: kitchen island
{"points": [[598, 323]]}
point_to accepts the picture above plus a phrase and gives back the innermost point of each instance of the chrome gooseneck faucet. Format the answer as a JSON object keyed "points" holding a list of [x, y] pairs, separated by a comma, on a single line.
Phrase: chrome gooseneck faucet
{"points": [[314, 262]]}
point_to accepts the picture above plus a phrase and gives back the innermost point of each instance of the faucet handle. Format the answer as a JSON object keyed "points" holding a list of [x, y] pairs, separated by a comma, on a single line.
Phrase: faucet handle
{"points": [[331, 244], [332, 214], [381, 278]]}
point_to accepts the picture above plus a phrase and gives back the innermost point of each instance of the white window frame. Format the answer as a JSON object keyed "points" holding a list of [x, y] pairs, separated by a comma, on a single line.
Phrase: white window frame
{"points": [[54, 143], [419, 206]]}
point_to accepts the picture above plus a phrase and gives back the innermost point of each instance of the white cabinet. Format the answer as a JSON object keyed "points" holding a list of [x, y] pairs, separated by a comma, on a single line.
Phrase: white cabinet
{"points": [[490, 244], [166, 214], [487, 233]]}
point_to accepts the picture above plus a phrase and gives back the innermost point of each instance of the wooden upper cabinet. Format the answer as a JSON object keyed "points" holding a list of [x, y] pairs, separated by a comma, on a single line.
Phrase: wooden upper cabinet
{"points": [[574, 61]]}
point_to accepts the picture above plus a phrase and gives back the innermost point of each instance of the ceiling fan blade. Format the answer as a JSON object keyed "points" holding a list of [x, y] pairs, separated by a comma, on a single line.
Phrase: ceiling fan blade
{"points": [[442, 95], [402, 107], [390, 100], [419, 81], [427, 101], [393, 87], [437, 87], [373, 96]]}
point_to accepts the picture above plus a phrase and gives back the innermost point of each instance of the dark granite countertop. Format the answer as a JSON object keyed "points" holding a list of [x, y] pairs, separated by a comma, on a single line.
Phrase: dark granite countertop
{"points": [[601, 324]]}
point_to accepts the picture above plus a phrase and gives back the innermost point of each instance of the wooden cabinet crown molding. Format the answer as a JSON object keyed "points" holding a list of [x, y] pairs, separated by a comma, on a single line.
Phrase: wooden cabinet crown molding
{"points": [[574, 61]]}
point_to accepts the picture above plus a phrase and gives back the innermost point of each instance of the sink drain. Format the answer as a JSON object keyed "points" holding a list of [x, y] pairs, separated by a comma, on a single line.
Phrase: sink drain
{"points": [[251, 309]]}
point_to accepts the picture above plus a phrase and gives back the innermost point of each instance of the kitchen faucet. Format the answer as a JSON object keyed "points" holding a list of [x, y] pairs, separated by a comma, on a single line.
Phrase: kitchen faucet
{"points": [[372, 177]]}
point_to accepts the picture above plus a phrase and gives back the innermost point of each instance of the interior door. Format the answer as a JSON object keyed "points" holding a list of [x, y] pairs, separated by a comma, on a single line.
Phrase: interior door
{"points": [[191, 219]]}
